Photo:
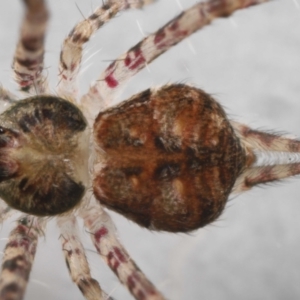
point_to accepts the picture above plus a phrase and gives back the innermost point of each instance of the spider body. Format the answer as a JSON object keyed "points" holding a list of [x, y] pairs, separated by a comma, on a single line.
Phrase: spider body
{"points": [[169, 158], [44, 155]]}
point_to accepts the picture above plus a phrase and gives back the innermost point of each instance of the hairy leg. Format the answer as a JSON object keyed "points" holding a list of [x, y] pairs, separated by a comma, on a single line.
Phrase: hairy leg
{"points": [[103, 234], [7, 97], [134, 60], [71, 53], [28, 60], [264, 174], [18, 257], [264, 141], [5, 211], [76, 259]]}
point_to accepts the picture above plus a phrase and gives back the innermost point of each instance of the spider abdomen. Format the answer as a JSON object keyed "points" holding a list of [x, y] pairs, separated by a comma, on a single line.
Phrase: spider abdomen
{"points": [[43, 155], [167, 159]]}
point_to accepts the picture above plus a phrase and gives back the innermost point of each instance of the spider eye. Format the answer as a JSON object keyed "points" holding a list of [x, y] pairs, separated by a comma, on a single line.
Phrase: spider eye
{"points": [[2, 130]]}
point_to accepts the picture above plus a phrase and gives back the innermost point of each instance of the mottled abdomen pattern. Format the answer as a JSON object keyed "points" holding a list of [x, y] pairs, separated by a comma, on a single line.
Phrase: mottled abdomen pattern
{"points": [[167, 158]]}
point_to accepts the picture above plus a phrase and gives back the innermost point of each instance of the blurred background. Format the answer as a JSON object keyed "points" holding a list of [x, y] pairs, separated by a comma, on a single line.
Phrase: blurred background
{"points": [[250, 62]]}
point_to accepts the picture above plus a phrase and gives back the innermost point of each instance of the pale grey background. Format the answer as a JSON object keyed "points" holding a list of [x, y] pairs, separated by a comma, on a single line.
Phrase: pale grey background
{"points": [[251, 62]]}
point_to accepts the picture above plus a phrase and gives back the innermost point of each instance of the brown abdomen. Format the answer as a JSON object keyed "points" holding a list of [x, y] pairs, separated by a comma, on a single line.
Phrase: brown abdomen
{"points": [[166, 159]]}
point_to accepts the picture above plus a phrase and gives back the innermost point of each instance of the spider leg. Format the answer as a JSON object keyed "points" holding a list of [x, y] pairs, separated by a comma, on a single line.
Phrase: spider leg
{"points": [[76, 260], [28, 60], [71, 53], [5, 211], [103, 234], [255, 140], [134, 60], [6, 99], [265, 141], [18, 257], [264, 174], [6, 96]]}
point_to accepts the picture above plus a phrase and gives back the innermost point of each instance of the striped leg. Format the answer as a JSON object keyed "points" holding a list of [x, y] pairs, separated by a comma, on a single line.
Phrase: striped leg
{"points": [[18, 258], [264, 141], [264, 174], [5, 211], [131, 62], [7, 97], [255, 140], [71, 54], [76, 260], [28, 61], [103, 234]]}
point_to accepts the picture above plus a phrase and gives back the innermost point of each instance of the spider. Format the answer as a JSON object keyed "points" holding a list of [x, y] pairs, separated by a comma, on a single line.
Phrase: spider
{"points": [[64, 249]]}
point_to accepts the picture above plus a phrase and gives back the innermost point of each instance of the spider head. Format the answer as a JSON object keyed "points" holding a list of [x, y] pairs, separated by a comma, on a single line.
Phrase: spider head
{"points": [[44, 144]]}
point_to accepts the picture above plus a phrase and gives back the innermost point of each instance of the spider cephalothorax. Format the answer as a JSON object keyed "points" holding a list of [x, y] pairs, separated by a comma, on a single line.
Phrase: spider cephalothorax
{"points": [[168, 158], [44, 155]]}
